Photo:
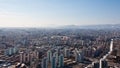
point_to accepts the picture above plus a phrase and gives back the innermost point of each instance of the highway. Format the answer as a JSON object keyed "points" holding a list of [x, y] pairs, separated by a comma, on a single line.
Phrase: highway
{"points": [[104, 57]]}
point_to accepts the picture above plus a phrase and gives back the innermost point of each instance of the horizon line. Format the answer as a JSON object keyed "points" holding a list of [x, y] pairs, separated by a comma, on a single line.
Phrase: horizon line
{"points": [[55, 26]]}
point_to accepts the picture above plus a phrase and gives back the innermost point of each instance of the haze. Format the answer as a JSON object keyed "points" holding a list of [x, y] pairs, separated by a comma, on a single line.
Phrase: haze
{"points": [[51, 13]]}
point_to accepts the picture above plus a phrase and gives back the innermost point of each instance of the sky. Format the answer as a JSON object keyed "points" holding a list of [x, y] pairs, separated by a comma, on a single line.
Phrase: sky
{"points": [[51, 13]]}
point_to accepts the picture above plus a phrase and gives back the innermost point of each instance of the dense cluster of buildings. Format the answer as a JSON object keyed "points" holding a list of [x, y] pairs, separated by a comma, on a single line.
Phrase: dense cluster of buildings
{"points": [[59, 49]]}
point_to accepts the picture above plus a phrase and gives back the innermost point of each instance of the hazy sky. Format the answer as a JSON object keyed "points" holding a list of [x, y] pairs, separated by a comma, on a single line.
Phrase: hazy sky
{"points": [[43, 13]]}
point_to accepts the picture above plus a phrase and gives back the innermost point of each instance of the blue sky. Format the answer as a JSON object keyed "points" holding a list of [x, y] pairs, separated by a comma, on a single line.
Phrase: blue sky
{"points": [[46, 13]]}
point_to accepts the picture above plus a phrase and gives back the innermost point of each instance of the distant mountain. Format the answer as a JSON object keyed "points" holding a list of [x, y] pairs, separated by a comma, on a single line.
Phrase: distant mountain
{"points": [[106, 26]]}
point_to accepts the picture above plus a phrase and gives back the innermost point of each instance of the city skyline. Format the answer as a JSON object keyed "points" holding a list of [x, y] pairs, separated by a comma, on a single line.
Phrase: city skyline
{"points": [[46, 13]]}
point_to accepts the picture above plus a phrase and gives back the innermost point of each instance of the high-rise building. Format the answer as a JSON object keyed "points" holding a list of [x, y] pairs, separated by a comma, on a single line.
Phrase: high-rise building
{"points": [[6, 52], [53, 62], [25, 57], [111, 46], [78, 56], [44, 63], [96, 65], [15, 50], [103, 64], [11, 51], [36, 54], [21, 57], [61, 60], [66, 52], [56, 55], [49, 55], [118, 54]]}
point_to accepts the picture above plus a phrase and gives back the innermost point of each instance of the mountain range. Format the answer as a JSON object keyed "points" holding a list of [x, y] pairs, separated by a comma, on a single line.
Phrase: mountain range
{"points": [[106, 26]]}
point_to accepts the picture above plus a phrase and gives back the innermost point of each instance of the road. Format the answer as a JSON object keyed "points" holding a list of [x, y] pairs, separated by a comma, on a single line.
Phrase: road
{"points": [[104, 57]]}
